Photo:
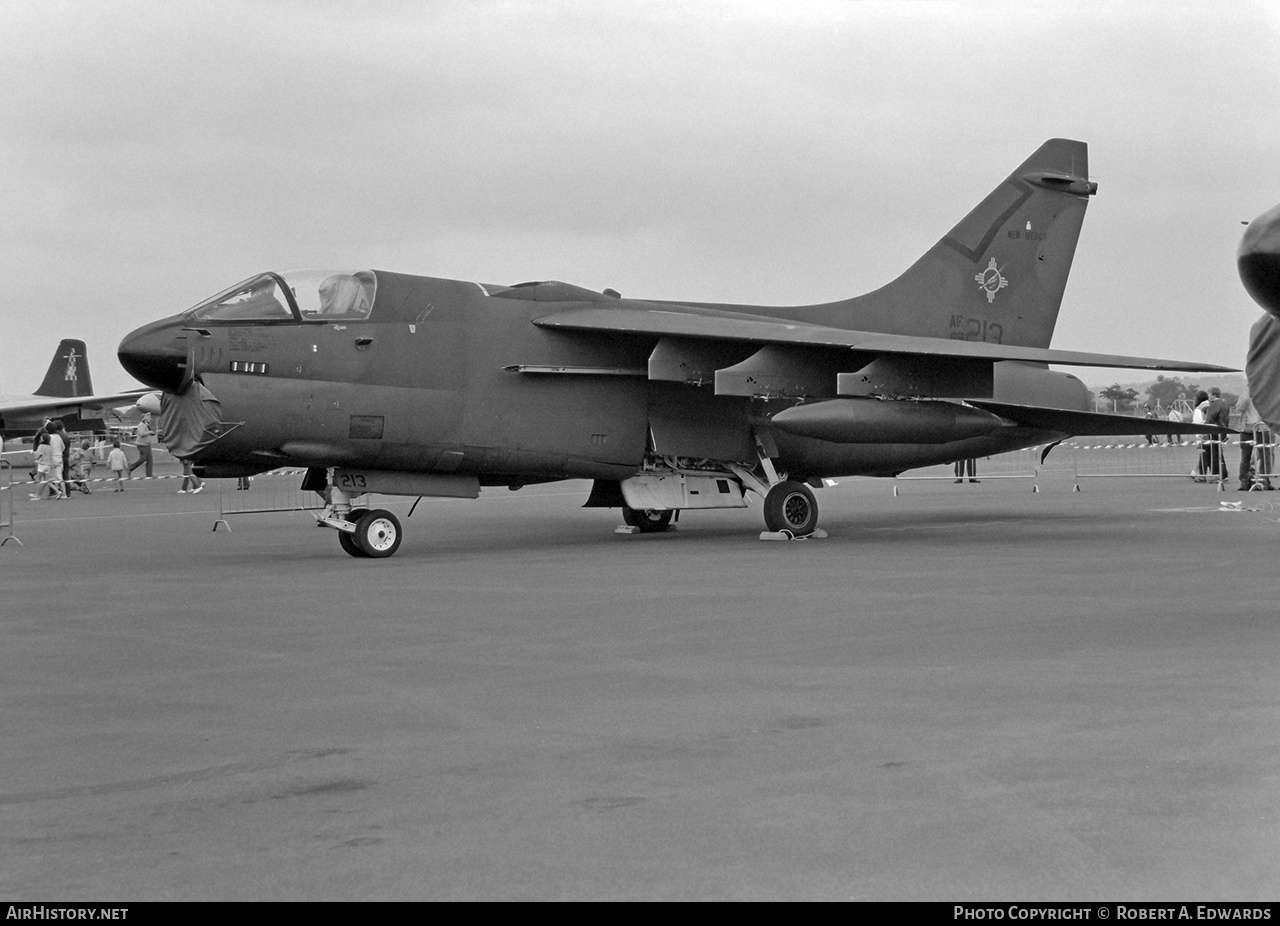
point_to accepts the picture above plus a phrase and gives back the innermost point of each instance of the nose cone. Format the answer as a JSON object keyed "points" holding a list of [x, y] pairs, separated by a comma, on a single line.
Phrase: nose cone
{"points": [[1259, 260], [156, 354]]}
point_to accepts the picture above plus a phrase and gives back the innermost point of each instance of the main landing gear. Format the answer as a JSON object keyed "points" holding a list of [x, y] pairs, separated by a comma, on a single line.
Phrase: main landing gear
{"points": [[790, 510], [647, 520], [790, 506]]}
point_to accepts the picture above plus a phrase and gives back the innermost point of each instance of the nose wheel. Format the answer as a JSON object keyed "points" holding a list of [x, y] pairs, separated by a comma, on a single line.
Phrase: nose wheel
{"points": [[377, 534], [348, 541]]}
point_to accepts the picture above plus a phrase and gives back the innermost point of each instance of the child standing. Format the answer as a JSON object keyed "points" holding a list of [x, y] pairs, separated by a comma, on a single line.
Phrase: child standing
{"points": [[81, 468], [118, 463]]}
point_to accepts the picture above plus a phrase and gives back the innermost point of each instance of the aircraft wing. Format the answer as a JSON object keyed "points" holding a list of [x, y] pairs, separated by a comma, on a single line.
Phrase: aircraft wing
{"points": [[1065, 421], [19, 410], [661, 319]]}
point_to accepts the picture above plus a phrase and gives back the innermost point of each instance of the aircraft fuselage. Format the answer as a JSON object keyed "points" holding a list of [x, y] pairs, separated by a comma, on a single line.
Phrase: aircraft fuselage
{"points": [[442, 377]]}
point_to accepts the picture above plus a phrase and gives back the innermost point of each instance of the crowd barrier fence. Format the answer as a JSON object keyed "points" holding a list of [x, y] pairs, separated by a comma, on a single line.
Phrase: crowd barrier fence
{"points": [[1079, 460], [6, 503], [1069, 463], [275, 491]]}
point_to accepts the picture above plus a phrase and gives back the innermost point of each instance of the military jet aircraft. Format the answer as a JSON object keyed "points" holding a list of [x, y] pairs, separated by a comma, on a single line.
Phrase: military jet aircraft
{"points": [[413, 385], [66, 393]]}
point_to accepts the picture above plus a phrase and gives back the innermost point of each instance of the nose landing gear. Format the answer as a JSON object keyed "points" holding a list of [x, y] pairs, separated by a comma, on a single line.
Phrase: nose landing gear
{"points": [[362, 532], [376, 534]]}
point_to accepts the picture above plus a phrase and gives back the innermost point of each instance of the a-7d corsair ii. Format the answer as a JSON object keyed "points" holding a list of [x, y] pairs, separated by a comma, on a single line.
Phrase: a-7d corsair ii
{"points": [[413, 385]]}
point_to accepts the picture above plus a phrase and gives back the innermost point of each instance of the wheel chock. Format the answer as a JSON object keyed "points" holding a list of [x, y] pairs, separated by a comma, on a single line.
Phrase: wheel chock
{"points": [[626, 529], [818, 534]]}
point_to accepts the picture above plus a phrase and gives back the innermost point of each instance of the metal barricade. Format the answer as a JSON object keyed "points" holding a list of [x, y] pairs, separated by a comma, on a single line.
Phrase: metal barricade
{"points": [[6, 503], [1016, 464], [1097, 459], [1074, 461], [271, 492], [1263, 458]]}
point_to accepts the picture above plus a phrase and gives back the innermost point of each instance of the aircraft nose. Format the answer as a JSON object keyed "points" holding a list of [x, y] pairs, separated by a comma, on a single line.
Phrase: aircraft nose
{"points": [[156, 354]]}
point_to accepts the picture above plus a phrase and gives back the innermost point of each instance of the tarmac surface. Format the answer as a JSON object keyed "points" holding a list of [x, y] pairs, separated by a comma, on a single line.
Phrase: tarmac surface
{"points": [[964, 693]]}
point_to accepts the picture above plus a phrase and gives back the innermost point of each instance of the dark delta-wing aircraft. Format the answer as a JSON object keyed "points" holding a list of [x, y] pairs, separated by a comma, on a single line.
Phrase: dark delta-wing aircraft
{"points": [[66, 393], [418, 386]]}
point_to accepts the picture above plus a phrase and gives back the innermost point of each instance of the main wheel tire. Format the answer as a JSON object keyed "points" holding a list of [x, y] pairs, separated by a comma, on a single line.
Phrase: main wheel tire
{"points": [[378, 533], [790, 506], [648, 520]]}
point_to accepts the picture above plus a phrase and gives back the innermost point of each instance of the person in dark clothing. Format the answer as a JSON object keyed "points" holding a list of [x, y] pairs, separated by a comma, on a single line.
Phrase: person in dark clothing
{"points": [[966, 466], [1217, 413], [1255, 467], [1151, 439]]}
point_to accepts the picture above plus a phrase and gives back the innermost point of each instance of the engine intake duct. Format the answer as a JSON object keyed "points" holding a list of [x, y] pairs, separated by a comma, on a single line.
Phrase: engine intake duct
{"points": [[873, 421]]}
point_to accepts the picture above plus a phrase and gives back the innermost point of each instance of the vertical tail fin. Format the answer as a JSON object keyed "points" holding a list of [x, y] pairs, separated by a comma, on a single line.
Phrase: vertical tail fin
{"points": [[68, 374], [999, 275]]}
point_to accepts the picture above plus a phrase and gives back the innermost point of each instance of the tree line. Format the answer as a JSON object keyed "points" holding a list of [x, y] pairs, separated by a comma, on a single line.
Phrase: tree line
{"points": [[1161, 395]]}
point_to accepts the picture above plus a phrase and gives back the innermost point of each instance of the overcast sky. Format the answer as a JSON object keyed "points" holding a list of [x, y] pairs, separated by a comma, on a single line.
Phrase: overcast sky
{"points": [[155, 153]]}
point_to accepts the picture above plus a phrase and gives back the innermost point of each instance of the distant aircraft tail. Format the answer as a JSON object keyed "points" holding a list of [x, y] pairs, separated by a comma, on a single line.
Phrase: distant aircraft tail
{"points": [[68, 374], [999, 275]]}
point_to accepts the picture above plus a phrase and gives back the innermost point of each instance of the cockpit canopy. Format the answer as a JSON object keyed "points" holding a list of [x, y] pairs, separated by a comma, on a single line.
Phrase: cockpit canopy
{"points": [[293, 296]]}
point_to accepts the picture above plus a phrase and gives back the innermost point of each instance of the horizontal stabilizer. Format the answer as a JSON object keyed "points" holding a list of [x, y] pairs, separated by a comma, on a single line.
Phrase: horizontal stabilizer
{"points": [[1065, 421]]}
